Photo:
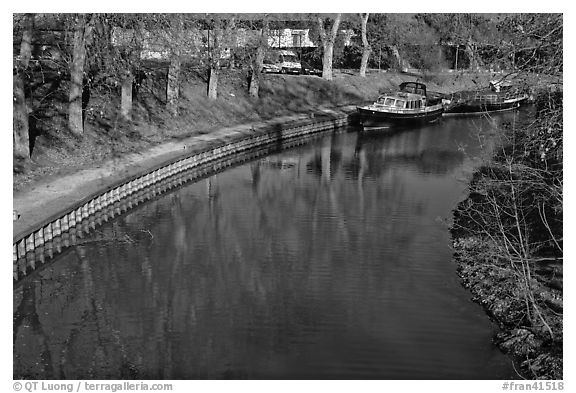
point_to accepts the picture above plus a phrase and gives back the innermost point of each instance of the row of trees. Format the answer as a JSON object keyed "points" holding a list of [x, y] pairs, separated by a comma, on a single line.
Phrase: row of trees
{"points": [[106, 49]]}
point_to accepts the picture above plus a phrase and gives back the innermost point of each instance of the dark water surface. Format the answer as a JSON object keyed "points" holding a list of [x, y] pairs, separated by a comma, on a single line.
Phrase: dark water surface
{"points": [[331, 260]]}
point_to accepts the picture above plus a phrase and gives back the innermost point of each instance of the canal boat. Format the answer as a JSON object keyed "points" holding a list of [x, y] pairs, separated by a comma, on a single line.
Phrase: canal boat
{"points": [[412, 105], [500, 96]]}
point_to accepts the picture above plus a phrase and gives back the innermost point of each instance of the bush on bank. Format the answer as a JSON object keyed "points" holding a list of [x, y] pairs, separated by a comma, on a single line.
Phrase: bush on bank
{"points": [[508, 240]]}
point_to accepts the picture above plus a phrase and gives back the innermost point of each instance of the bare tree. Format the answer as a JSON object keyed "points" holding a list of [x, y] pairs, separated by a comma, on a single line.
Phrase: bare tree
{"points": [[256, 64], [328, 40], [82, 32], [174, 37], [214, 60], [20, 110], [175, 67], [222, 35], [126, 95], [366, 48], [125, 54]]}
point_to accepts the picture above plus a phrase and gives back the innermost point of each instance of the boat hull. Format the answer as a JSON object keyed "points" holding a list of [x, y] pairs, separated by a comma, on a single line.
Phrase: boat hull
{"points": [[370, 118], [474, 106]]}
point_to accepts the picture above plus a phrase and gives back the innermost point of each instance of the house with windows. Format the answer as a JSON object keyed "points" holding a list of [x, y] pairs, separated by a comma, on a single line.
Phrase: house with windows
{"points": [[290, 39]]}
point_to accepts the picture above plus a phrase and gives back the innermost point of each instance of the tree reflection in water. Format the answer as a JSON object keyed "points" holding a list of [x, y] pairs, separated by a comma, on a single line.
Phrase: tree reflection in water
{"points": [[325, 261]]}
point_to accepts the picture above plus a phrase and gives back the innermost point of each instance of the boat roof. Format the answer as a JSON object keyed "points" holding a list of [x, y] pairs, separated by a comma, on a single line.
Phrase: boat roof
{"points": [[501, 83], [402, 96], [409, 91], [416, 85], [413, 87]]}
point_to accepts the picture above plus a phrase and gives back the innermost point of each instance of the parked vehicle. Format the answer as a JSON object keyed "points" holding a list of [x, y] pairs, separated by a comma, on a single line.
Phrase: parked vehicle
{"points": [[500, 96], [307, 69], [411, 105], [282, 61]]}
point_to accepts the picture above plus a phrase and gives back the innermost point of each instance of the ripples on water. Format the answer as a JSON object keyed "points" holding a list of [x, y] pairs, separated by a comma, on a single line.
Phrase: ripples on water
{"points": [[327, 261]]}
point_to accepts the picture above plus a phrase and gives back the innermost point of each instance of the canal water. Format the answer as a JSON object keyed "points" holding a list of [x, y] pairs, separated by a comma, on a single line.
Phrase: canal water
{"points": [[327, 261]]}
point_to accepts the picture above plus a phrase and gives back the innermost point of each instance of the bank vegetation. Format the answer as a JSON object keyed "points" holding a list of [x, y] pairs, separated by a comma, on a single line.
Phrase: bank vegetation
{"points": [[508, 234]]}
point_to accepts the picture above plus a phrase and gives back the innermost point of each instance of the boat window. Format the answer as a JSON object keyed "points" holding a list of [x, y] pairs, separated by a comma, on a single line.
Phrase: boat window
{"points": [[400, 103], [380, 100], [418, 103], [389, 101]]}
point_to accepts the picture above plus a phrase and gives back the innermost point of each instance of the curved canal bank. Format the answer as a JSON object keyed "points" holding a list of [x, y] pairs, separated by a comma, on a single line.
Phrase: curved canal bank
{"points": [[47, 199], [328, 260], [48, 213]]}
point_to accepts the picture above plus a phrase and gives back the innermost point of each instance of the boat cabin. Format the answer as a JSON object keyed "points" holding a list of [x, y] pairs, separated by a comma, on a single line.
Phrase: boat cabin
{"points": [[411, 97], [498, 86], [401, 101], [413, 87]]}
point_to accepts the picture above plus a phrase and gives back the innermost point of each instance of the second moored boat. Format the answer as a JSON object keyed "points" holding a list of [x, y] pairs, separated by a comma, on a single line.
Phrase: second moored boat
{"points": [[501, 96]]}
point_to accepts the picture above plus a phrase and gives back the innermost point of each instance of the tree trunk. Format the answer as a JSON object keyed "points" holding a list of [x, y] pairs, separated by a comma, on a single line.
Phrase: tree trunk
{"points": [[456, 64], [364, 62], [26, 44], [254, 88], [396, 54], [213, 81], [21, 132], [215, 55], [327, 61], [126, 96], [175, 44], [328, 45], [471, 52], [20, 119], [77, 76], [221, 39], [366, 49], [440, 58], [173, 85]]}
